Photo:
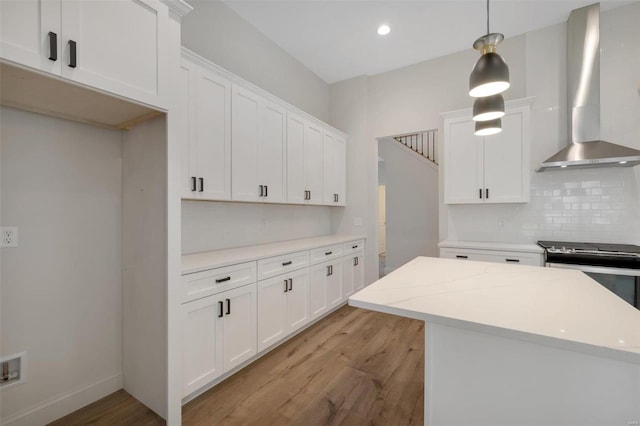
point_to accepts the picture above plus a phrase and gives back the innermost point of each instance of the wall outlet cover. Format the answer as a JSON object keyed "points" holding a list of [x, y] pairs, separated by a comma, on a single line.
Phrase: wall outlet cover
{"points": [[9, 236]]}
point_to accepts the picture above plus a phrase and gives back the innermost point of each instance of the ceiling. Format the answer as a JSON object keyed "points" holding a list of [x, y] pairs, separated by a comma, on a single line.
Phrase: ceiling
{"points": [[338, 39]]}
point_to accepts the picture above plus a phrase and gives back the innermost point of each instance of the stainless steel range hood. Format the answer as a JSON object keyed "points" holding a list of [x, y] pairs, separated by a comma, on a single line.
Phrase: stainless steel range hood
{"points": [[586, 150]]}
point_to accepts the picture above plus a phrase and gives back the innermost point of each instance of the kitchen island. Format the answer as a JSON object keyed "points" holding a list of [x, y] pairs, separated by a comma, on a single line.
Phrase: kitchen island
{"points": [[517, 345]]}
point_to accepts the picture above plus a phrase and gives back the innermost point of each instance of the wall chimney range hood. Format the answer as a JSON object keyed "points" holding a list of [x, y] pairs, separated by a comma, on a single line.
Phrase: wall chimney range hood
{"points": [[586, 150]]}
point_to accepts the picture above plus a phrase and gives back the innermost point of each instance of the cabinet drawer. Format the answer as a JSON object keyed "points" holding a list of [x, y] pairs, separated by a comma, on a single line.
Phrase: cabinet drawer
{"points": [[206, 283], [352, 247], [277, 265], [324, 254], [516, 258]]}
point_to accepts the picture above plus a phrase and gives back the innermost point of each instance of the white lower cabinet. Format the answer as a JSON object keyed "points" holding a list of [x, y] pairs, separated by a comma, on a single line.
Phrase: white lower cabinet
{"points": [[282, 306], [325, 287], [516, 254], [219, 334], [352, 274]]}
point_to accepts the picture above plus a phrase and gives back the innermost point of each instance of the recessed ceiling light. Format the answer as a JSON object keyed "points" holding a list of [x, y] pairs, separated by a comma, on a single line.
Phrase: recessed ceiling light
{"points": [[384, 30]]}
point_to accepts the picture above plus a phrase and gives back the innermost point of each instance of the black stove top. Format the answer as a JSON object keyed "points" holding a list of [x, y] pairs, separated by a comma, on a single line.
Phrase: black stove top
{"points": [[596, 254]]}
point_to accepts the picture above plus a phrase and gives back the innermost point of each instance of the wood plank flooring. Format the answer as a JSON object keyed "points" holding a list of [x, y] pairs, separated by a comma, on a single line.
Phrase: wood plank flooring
{"points": [[355, 367]]}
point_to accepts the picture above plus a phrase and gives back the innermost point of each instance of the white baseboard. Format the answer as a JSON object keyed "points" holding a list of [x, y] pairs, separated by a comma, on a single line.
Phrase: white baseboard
{"points": [[64, 404]]}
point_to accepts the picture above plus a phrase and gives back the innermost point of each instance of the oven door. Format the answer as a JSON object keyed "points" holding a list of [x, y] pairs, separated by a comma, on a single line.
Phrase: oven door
{"points": [[623, 282]]}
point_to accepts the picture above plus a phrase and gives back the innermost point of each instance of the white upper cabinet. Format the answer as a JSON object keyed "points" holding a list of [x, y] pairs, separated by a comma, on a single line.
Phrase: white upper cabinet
{"points": [[334, 171], [205, 126], [491, 169], [258, 129], [304, 161], [116, 46]]}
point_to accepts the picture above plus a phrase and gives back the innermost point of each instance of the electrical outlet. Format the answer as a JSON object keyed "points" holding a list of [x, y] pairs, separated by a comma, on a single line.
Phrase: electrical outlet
{"points": [[9, 236]]}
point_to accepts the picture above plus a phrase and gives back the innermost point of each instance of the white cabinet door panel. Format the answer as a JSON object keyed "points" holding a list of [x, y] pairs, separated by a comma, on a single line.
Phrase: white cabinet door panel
{"points": [[212, 156], [271, 151], [313, 163], [120, 47], [333, 285], [317, 293], [358, 272], [240, 307], [333, 169], [185, 122], [463, 165], [298, 300], [202, 343], [272, 311], [295, 159], [24, 33], [245, 107], [348, 265]]}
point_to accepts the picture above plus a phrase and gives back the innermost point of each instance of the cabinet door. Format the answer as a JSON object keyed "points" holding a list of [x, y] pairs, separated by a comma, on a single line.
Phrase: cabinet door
{"points": [[245, 118], [272, 310], [295, 159], [463, 163], [186, 122], [333, 169], [271, 151], [333, 286], [506, 167], [298, 300], [24, 33], [212, 133], [202, 344], [317, 293], [120, 47], [358, 271], [313, 163], [240, 334], [348, 265]]}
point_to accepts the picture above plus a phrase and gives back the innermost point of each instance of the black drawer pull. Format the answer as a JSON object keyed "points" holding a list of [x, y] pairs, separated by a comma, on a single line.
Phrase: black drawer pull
{"points": [[328, 253], [287, 263], [459, 256], [354, 247], [221, 280], [228, 306], [220, 307], [72, 54], [193, 184], [53, 46], [286, 286], [513, 260]]}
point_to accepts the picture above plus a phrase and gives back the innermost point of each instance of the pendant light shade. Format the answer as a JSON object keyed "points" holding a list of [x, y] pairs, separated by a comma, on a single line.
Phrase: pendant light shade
{"points": [[490, 76], [487, 128], [488, 108]]}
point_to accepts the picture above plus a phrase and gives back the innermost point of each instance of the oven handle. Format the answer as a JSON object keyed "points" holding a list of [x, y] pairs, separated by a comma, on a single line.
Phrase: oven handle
{"points": [[596, 269]]}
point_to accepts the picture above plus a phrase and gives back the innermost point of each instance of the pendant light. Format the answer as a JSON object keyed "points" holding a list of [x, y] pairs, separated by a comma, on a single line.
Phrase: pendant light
{"points": [[488, 108], [489, 127], [490, 75]]}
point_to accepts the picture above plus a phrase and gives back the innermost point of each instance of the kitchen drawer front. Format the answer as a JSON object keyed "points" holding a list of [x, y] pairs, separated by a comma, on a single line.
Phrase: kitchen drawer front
{"points": [[325, 254], [516, 258], [206, 283], [352, 247], [278, 265]]}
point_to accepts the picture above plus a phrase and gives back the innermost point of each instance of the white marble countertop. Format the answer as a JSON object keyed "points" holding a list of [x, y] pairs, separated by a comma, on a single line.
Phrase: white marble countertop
{"points": [[556, 307], [205, 260], [479, 245]]}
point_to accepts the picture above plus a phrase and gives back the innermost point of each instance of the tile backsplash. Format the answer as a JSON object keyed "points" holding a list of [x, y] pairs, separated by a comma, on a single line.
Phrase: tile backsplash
{"points": [[600, 205]]}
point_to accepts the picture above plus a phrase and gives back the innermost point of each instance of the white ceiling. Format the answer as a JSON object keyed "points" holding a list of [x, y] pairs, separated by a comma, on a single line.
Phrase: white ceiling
{"points": [[338, 40]]}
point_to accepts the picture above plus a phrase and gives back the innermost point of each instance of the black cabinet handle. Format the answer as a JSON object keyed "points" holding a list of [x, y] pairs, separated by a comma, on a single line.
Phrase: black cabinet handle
{"points": [[459, 256], [486, 193], [220, 313], [262, 190], [309, 196], [193, 183], [328, 270], [287, 263], [480, 193], [286, 286], [221, 280], [72, 54], [228, 306], [355, 261], [513, 260], [201, 184], [328, 253], [266, 190], [53, 46], [290, 284]]}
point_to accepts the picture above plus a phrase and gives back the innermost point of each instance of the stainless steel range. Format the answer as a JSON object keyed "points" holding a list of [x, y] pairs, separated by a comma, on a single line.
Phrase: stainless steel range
{"points": [[615, 266]]}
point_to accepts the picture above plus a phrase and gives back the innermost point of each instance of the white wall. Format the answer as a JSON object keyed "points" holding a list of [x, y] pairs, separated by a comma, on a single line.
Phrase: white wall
{"points": [[219, 34], [61, 288], [412, 204]]}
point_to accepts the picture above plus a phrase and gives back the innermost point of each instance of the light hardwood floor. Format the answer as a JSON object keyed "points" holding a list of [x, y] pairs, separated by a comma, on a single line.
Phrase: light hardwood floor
{"points": [[354, 367]]}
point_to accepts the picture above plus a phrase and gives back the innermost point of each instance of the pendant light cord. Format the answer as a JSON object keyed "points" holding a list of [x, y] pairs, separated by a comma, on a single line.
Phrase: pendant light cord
{"points": [[487, 16]]}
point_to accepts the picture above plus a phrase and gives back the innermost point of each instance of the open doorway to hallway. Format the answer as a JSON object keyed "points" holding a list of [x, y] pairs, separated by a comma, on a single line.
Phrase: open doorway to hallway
{"points": [[407, 199]]}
